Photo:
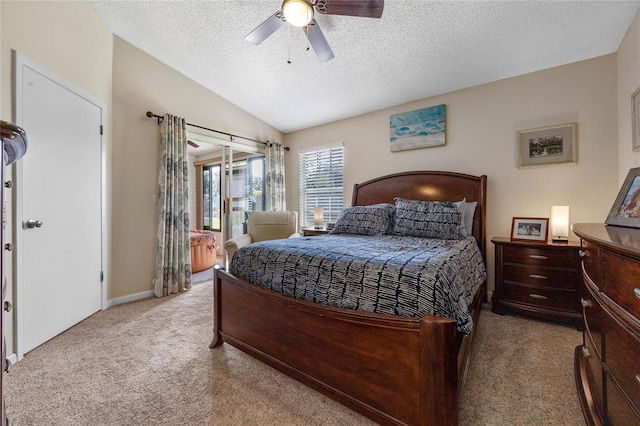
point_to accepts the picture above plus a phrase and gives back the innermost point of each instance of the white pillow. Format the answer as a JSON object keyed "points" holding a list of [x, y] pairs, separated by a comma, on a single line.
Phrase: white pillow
{"points": [[461, 205], [469, 212]]}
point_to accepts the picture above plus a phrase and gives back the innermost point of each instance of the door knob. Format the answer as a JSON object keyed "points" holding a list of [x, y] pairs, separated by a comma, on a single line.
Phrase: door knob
{"points": [[34, 224]]}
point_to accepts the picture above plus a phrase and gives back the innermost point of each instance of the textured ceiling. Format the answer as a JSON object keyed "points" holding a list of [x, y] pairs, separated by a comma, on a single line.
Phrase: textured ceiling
{"points": [[418, 49]]}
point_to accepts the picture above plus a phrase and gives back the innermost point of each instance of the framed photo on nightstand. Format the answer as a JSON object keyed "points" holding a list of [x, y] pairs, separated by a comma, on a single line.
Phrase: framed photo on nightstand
{"points": [[530, 229]]}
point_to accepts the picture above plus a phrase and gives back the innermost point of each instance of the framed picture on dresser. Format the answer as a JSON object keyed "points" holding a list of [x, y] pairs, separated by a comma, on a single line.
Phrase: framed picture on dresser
{"points": [[533, 229], [626, 207]]}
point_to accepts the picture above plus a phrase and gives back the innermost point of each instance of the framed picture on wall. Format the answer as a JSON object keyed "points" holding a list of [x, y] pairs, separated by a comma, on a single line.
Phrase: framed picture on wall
{"points": [[422, 128], [530, 229], [626, 207], [548, 146], [635, 119]]}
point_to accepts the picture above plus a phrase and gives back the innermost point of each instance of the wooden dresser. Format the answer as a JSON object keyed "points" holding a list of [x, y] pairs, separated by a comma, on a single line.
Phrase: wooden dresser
{"points": [[537, 279], [607, 364]]}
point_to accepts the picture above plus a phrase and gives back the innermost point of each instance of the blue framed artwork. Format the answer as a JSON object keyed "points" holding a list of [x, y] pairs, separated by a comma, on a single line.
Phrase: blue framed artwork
{"points": [[421, 128]]}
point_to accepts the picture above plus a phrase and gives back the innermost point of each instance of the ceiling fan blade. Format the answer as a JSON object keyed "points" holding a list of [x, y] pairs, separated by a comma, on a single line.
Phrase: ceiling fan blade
{"points": [[364, 8], [318, 41], [264, 30], [193, 144]]}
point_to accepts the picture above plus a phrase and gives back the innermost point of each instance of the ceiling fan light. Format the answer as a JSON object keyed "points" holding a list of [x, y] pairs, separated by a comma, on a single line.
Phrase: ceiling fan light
{"points": [[297, 12]]}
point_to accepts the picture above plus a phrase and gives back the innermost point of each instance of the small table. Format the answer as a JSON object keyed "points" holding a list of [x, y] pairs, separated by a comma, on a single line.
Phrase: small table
{"points": [[312, 232], [538, 279]]}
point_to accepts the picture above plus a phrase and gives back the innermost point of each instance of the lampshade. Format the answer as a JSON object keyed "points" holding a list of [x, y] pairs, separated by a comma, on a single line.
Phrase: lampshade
{"points": [[559, 223], [297, 12], [318, 217]]}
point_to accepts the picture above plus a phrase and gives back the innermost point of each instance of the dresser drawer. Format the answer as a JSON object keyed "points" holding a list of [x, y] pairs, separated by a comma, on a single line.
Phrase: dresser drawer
{"points": [[541, 297], [619, 412], [553, 278], [542, 256], [621, 281], [592, 315], [622, 359], [590, 263], [595, 377]]}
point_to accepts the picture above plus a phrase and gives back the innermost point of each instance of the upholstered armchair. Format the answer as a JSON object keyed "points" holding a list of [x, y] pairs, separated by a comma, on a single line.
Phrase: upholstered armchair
{"points": [[263, 226]]}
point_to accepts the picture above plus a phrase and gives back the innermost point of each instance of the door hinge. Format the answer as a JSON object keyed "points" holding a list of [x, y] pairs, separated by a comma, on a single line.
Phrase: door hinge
{"points": [[101, 129], [101, 276]]}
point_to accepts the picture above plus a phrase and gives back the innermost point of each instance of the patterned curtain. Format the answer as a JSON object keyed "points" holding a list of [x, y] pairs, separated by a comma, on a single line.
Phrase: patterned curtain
{"points": [[276, 195], [173, 261]]}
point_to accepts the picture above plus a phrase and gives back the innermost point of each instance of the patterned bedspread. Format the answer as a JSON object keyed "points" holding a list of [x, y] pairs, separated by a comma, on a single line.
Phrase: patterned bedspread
{"points": [[386, 274]]}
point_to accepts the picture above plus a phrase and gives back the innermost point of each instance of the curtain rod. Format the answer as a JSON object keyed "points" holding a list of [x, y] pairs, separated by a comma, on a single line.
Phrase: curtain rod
{"points": [[160, 118]]}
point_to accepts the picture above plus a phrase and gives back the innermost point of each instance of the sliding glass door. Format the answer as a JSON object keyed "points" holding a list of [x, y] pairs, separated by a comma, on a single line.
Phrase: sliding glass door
{"points": [[230, 186], [244, 194], [211, 198]]}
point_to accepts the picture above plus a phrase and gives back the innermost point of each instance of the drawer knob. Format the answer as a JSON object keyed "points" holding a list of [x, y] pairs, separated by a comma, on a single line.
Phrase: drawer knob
{"points": [[638, 378], [583, 253], [537, 256], [636, 291], [537, 296], [586, 303], [586, 352], [538, 277]]}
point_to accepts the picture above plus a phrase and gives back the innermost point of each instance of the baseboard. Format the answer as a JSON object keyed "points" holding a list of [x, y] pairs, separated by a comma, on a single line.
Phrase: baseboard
{"points": [[12, 359], [130, 298]]}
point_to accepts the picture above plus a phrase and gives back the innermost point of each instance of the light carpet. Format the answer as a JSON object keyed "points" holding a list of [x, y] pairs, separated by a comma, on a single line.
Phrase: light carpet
{"points": [[202, 276], [148, 363]]}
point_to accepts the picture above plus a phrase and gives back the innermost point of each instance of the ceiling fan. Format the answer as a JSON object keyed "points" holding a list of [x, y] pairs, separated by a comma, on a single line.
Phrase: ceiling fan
{"points": [[300, 13]]}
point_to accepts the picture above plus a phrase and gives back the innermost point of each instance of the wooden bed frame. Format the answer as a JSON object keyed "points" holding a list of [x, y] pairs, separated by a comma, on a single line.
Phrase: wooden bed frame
{"points": [[394, 370]]}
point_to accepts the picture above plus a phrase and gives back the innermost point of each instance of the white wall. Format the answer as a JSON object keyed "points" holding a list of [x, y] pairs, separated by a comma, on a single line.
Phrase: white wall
{"points": [[481, 126], [628, 82]]}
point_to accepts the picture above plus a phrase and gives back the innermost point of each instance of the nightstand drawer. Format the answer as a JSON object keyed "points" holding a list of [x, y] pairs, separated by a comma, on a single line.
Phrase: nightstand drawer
{"points": [[540, 256], [541, 297], [551, 278]]}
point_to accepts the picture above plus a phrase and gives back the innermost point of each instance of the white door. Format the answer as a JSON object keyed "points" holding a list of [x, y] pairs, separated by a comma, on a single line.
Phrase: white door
{"points": [[58, 207]]}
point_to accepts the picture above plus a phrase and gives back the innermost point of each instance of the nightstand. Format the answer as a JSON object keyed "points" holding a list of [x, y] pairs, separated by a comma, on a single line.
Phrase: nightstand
{"points": [[537, 279], [312, 232]]}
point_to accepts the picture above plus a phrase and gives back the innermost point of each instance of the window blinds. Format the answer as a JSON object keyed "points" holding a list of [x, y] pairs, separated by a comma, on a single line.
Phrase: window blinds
{"points": [[321, 183]]}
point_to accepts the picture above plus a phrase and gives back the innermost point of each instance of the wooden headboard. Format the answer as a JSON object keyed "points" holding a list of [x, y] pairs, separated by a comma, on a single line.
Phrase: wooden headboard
{"points": [[428, 186]]}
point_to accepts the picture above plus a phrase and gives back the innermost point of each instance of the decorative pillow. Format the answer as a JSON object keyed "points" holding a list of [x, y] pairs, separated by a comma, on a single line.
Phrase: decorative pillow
{"points": [[364, 220], [429, 219]]}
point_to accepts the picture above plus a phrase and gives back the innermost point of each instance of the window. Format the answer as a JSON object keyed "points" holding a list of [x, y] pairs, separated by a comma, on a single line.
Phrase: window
{"points": [[321, 183]]}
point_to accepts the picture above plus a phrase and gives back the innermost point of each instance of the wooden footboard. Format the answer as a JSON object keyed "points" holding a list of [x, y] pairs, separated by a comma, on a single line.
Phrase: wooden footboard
{"points": [[394, 370]]}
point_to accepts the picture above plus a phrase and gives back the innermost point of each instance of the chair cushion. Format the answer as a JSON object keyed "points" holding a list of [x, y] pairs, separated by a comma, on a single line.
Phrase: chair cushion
{"points": [[272, 225]]}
